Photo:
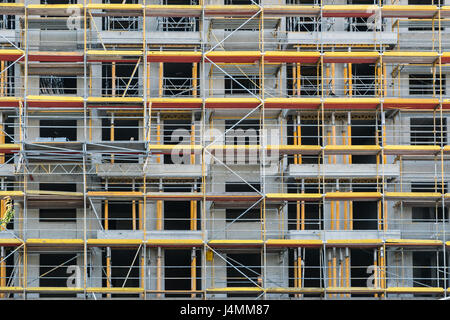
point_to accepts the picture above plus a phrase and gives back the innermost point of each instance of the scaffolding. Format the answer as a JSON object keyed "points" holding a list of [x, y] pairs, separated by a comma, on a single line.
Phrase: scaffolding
{"points": [[244, 149]]}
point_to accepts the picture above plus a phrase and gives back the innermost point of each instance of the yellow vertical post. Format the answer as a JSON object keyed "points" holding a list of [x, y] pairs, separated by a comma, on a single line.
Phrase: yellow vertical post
{"points": [[334, 268], [159, 205], [350, 80], [379, 223], [294, 79], [192, 142], [303, 215], [108, 269], [351, 214], [2, 270], [158, 273], [133, 214], [332, 215], [345, 79], [160, 78], [140, 206], [337, 215], [330, 283], [158, 136], [194, 79], [345, 215], [299, 271], [193, 272], [349, 135], [193, 210], [299, 80], [106, 215]]}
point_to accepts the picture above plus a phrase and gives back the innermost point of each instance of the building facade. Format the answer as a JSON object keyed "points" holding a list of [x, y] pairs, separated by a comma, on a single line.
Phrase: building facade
{"points": [[211, 149]]}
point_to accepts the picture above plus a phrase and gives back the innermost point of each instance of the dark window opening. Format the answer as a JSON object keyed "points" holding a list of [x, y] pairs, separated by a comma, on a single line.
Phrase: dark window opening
{"points": [[423, 24], [177, 79], [426, 131], [302, 24], [62, 214], [360, 260], [365, 215], [363, 79], [8, 86], [239, 84], [122, 82], [124, 273], [252, 215], [180, 24], [118, 23], [10, 267], [426, 268], [242, 187], [422, 84], [244, 133], [124, 130], [10, 73], [57, 85], [7, 21], [177, 214], [177, 271], [428, 187], [309, 82], [9, 134], [429, 214], [310, 269], [311, 134], [363, 133], [249, 266], [61, 130], [53, 271], [120, 214], [313, 210]]}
